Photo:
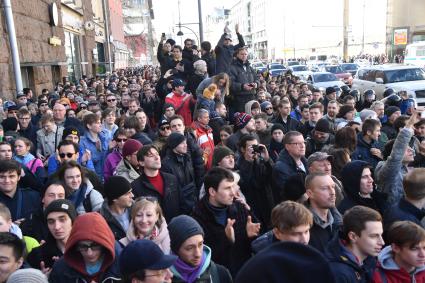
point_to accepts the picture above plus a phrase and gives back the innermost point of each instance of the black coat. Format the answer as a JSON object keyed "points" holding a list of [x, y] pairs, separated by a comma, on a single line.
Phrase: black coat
{"points": [[290, 125], [23, 204], [319, 236], [211, 64], [403, 211], [255, 184], [35, 226], [169, 203], [240, 74], [181, 167], [224, 54], [196, 156], [215, 273], [163, 59], [232, 256], [30, 133], [45, 253], [114, 225]]}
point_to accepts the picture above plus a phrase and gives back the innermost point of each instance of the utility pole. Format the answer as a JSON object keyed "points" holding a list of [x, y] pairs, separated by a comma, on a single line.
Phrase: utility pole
{"points": [[107, 35], [201, 27], [364, 6], [346, 21], [13, 44]]}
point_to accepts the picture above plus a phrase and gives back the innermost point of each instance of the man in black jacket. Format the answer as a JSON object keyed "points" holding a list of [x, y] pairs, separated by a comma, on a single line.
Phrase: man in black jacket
{"points": [[243, 81], [26, 128], [208, 57], [178, 162], [227, 223], [284, 117], [116, 207], [224, 50], [154, 183]]}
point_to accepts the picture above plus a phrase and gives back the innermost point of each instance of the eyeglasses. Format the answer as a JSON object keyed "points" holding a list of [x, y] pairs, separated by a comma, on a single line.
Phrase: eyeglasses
{"points": [[111, 100], [24, 118], [69, 155], [269, 108], [163, 128], [85, 247], [121, 140]]}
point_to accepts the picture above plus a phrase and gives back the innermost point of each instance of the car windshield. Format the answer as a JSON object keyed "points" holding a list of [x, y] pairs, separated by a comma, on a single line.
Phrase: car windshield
{"points": [[276, 66], [256, 65], [320, 78], [349, 67], [299, 68], [292, 63], [334, 69], [395, 76]]}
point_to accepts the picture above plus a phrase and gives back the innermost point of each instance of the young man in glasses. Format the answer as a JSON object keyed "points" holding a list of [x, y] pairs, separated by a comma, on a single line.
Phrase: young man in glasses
{"points": [[164, 130], [111, 102], [26, 128], [91, 254], [68, 149]]}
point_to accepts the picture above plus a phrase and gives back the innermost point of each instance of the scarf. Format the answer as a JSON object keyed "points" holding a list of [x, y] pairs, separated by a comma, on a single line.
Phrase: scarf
{"points": [[77, 197], [190, 273], [24, 159]]}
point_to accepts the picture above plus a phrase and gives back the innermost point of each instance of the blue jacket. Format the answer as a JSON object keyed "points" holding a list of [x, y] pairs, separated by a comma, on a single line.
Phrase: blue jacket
{"points": [[403, 211], [344, 266], [54, 163], [263, 242], [97, 156], [24, 203], [296, 114], [362, 151]]}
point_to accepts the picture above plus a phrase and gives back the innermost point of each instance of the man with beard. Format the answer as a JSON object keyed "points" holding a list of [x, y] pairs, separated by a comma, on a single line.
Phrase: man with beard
{"points": [[331, 111]]}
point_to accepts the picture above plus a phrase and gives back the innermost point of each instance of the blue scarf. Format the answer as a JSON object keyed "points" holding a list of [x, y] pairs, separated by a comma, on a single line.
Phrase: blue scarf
{"points": [[24, 159], [78, 196]]}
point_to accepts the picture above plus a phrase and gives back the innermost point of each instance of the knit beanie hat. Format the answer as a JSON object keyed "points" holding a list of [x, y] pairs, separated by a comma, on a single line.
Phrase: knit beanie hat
{"points": [[175, 139], [323, 126], [277, 126], [130, 147], [264, 105], [219, 153], [241, 119], [181, 228], [115, 187], [71, 130], [209, 92], [10, 124], [27, 275], [391, 110], [61, 205]]}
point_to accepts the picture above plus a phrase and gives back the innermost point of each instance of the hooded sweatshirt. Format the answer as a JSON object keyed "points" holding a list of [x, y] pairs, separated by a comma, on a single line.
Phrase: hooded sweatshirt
{"points": [[248, 106], [393, 273], [90, 227], [350, 177]]}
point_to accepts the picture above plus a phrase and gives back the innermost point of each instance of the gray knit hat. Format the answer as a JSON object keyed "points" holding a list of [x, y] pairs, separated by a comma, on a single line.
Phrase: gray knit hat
{"points": [[181, 228], [27, 275]]}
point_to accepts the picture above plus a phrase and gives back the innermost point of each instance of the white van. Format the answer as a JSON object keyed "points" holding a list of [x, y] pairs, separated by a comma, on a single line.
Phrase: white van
{"points": [[415, 54]]}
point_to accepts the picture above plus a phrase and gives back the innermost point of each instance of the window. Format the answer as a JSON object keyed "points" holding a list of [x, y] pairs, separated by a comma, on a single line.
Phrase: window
{"points": [[73, 55]]}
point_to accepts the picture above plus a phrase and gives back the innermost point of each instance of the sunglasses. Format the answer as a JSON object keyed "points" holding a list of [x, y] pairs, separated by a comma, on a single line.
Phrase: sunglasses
{"points": [[111, 100], [85, 248], [121, 140], [269, 108], [163, 128], [69, 155]]}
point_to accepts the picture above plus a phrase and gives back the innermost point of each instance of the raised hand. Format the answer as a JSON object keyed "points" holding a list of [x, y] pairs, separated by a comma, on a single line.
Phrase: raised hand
{"points": [[252, 229], [229, 230]]}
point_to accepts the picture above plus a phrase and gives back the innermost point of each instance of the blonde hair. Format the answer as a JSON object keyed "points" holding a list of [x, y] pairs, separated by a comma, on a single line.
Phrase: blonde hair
{"points": [[144, 203], [222, 76]]}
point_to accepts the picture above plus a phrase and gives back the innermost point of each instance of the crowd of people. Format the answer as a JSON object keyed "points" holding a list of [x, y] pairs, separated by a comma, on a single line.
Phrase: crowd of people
{"points": [[202, 170]]}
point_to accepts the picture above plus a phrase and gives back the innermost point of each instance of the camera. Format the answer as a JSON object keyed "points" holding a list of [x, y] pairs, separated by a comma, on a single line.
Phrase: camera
{"points": [[257, 148]]}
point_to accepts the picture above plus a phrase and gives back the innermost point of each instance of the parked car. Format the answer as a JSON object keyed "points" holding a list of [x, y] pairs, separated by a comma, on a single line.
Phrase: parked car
{"points": [[350, 68], [344, 76], [300, 71], [396, 76], [322, 80], [276, 69], [259, 66]]}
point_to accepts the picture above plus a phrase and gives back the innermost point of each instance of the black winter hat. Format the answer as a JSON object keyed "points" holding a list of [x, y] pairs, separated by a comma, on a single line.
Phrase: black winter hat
{"points": [[115, 187], [175, 139], [221, 152], [323, 126], [391, 110], [330, 90], [61, 205], [71, 130], [181, 228], [286, 262], [277, 126]]}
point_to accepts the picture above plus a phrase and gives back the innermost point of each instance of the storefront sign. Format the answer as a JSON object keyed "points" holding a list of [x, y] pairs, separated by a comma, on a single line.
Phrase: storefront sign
{"points": [[55, 41], [400, 36]]}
